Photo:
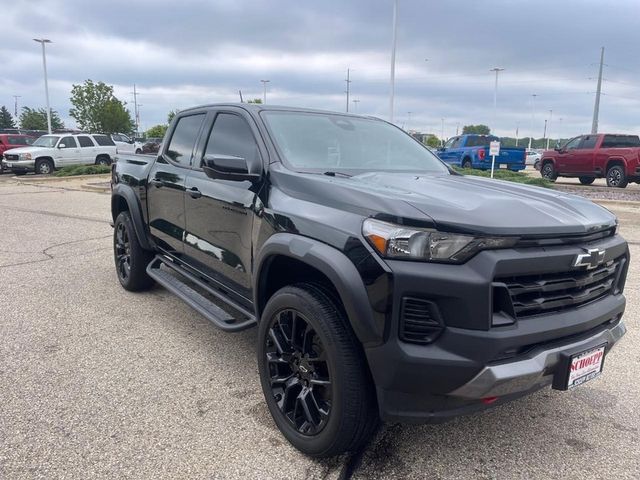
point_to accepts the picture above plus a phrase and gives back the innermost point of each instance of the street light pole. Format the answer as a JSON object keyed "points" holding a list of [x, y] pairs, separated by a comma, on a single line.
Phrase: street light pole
{"points": [[495, 94], [355, 104], [442, 133], [533, 114], [550, 118], [42, 41], [393, 59], [264, 90]]}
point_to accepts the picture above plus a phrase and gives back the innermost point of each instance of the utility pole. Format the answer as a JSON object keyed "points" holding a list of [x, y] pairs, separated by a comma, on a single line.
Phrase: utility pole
{"points": [[347, 92], [135, 109], [355, 104], [442, 133], [533, 114], [495, 94], [42, 41], [517, 128], [264, 90], [596, 107], [544, 135], [549, 137], [15, 105], [394, 38]]}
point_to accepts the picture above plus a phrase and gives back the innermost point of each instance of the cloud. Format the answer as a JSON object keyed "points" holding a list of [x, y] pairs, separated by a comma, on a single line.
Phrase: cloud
{"points": [[204, 51]]}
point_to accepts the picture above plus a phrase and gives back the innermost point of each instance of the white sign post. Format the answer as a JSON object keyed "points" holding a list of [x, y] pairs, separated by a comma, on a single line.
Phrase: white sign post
{"points": [[494, 151]]}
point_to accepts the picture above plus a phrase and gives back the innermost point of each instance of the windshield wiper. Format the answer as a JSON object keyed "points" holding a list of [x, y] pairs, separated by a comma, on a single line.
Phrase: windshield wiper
{"points": [[333, 174]]}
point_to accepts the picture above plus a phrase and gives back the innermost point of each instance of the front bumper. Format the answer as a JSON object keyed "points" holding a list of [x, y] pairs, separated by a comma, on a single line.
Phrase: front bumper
{"points": [[471, 362], [18, 165]]}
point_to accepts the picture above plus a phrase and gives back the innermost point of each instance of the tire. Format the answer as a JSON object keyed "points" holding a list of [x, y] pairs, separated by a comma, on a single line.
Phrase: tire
{"points": [[616, 177], [44, 167], [466, 163], [138, 151], [548, 171], [106, 161], [536, 165], [339, 416], [586, 180], [130, 258]]}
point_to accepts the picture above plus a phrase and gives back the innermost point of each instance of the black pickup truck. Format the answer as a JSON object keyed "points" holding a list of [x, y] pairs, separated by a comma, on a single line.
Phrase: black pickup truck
{"points": [[384, 285]]}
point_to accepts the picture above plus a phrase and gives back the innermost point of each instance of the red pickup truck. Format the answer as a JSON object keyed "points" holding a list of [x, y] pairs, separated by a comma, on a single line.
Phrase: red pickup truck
{"points": [[614, 157]]}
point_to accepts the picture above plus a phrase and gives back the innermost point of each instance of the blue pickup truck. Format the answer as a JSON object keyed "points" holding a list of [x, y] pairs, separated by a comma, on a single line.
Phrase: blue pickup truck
{"points": [[472, 151]]}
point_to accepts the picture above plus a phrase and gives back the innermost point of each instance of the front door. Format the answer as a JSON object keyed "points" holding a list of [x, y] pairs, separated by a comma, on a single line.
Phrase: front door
{"points": [[567, 158], [220, 213], [68, 152], [166, 183]]}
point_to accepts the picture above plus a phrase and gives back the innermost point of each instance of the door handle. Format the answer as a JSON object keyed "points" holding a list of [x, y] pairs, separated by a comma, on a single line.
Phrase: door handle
{"points": [[194, 192], [156, 183]]}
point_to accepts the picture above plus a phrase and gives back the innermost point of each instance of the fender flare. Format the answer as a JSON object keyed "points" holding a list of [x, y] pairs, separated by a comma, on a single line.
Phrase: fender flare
{"points": [[336, 267], [135, 209], [616, 160]]}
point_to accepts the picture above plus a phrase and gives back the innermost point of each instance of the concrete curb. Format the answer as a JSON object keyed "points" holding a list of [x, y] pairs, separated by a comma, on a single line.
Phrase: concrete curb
{"points": [[95, 188], [28, 179], [631, 203]]}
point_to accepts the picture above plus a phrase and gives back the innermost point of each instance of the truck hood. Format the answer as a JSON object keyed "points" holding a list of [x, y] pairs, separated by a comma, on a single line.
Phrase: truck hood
{"points": [[18, 150], [461, 203]]}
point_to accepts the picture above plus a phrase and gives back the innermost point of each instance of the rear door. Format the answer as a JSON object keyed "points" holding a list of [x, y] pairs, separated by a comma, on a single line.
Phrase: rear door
{"points": [[166, 183], [87, 149], [220, 213]]}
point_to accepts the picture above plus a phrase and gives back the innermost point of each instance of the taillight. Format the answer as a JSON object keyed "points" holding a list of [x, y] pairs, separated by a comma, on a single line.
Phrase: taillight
{"points": [[481, 154]]}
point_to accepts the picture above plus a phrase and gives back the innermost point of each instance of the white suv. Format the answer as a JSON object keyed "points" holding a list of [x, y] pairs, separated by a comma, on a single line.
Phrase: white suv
{"points": [[123, 143], [51, 152]]}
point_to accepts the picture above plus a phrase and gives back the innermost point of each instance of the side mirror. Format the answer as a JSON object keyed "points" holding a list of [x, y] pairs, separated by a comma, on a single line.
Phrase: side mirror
{"points": [[62, 145], [228, 167]]}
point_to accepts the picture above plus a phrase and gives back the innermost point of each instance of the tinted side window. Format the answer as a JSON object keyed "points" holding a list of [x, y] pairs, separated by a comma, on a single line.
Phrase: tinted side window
{"points": [[104, 141], [184, 138], [85, 142], [232, 136], [573, 144], [68, 142], [620, 141], [16, 140], [589, 141]]}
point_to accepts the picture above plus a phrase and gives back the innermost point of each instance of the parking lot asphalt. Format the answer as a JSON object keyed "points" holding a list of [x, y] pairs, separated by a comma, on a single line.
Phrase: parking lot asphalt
{"points": [[97, 382]]}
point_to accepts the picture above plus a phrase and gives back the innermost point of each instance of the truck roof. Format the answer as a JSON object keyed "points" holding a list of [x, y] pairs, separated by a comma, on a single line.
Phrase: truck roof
{"points": [[257, 107]]}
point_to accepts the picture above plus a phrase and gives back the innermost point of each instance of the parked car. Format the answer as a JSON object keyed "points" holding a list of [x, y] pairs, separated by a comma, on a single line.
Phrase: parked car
{"points": [[533, 158], [151, 146], [472, 151], [612, 156], [138, 143], [382, 284], [50, 152], [9, 141], [124, 144]]}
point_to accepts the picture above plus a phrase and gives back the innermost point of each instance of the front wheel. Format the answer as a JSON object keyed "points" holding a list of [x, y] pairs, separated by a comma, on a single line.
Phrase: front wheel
{"points": [[616, 177], [130, 258], [44, 167], [548, 172], [105, 161], [313, 373]]}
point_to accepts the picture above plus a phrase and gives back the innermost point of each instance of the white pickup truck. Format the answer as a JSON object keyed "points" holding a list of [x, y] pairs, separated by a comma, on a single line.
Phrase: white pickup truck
{"points": [[51, 152]]}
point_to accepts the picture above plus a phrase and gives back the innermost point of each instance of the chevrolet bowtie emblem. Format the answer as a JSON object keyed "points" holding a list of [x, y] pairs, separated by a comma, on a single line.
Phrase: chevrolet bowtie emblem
{"points": [[591, 259]]}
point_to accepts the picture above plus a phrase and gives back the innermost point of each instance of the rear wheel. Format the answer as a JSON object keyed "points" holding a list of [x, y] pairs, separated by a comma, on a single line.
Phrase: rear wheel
{"points": [[313, 373], [616, 177], [548, 171], [102, 160], [44, 167], [586, 180], [130, 258], [466, 163]]}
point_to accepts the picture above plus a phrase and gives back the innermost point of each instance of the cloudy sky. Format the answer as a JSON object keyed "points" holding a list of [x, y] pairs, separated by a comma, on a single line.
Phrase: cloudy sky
{"points": [[192, 52]]}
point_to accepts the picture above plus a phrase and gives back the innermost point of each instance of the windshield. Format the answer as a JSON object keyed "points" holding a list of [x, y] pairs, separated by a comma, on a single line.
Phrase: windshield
{"points": [[46, 141], [333, 142]]}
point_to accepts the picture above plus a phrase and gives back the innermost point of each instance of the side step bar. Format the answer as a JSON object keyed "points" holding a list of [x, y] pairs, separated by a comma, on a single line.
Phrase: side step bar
{"points": [[197, 301]]}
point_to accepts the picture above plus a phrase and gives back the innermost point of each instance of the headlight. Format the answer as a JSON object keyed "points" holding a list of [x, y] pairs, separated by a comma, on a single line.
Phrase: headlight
{"points": [[397, 241], [24, 156]]}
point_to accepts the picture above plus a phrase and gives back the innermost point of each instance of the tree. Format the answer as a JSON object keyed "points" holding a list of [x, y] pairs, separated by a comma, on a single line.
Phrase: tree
{"points": [[32, 119], [171, 114], [157, 131], [478, 129], [255, 100], [432, 141], [96, 109], [6, 120]]}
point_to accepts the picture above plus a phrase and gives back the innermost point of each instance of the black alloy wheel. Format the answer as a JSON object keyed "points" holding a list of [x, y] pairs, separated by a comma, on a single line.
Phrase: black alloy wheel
{"points": [[616, 177], [122, 251], [548, 171], [299, 372]]}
